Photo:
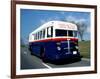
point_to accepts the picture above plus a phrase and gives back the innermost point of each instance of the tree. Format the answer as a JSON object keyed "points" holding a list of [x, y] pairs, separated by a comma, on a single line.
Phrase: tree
{"points": [[82, 26]]}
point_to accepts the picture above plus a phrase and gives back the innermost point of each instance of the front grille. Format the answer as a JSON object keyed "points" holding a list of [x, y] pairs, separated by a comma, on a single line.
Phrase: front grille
{"points": [[66, 49]]}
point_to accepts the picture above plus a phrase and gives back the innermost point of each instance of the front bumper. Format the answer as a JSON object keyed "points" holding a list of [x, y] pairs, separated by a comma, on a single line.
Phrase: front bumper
{"points": [[67, 59]]}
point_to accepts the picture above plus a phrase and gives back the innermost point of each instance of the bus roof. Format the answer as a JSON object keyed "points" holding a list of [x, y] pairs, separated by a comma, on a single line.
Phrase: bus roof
{"points": [[57, 25]]}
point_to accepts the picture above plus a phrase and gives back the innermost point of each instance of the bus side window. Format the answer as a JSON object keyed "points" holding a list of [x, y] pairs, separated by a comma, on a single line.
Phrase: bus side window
{"points": [[44, 33], [49, 31], [40, 34], [36, 36]]}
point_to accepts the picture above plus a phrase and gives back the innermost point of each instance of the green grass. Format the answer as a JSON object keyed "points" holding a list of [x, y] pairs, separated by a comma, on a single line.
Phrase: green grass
{"points": [[22, 45], [84, 48]]}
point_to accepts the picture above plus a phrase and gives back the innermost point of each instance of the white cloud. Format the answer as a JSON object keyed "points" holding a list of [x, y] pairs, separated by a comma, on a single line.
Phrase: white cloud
{"points": [[70, 18], [43, 21], [49, 19], [88, 30], [56, 18], [82, 20]]}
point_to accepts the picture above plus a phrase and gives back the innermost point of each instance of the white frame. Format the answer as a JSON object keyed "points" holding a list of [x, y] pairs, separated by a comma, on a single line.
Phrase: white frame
{"points": [[55, 70]]}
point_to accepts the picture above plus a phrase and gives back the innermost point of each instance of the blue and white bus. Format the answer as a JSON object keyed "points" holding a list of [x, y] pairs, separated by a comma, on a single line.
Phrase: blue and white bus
{"points": [[55, 41]]}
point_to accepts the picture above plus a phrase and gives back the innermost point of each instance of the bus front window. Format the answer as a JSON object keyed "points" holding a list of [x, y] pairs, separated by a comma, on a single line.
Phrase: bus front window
{"points": [[70, 33], [60, 32]]}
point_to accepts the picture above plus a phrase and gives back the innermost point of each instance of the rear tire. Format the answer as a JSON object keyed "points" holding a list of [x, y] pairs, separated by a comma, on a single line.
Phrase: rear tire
{"points": [[42, 55], [31, 53], [30, 49]]}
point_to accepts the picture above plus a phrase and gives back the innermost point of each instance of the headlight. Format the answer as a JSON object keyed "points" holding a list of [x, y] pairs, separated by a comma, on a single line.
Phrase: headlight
{"points": [[59, 48], [58, 43], [74, 52], [76, 47]]}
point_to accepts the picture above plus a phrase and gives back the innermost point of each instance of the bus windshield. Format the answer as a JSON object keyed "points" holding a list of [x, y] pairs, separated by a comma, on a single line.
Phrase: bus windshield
{"points": [[60, 32]]}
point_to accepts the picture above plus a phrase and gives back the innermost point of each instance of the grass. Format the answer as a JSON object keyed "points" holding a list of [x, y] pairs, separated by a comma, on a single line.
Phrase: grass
{"points": [[84, 48], [23, 46]]}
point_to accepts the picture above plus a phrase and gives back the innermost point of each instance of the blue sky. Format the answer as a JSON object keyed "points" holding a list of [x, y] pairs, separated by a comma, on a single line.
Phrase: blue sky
{"points": [[32, 19]]}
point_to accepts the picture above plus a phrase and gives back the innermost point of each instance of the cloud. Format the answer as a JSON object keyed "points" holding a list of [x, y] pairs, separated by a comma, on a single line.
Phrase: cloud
{"points": [[88, 30], [71, 18], [82, 20], [56, 18], [42, 21]]}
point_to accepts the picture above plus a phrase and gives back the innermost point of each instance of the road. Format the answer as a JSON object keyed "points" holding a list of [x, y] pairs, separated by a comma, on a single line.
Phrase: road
{"points": [[29, 61]]}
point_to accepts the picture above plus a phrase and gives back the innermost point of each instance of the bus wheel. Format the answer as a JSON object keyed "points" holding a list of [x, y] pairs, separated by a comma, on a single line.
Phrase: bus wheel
{"points": [[30, 49], [31, 53], [42, 54]]}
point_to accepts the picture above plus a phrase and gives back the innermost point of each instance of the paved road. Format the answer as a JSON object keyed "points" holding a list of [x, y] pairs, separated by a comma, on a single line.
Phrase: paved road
{"points": [[32, 62]]}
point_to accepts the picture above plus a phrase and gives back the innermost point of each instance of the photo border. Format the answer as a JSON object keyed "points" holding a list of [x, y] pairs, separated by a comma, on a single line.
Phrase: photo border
{"points": [[13, 38]]}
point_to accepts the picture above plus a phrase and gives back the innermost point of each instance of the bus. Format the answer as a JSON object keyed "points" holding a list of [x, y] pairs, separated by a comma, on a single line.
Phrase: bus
{"points": [[55, 41]]}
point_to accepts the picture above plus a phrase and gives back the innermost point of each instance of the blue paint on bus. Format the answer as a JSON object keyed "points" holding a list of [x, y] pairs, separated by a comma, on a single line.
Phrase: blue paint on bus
{"points": [[51, 52]]}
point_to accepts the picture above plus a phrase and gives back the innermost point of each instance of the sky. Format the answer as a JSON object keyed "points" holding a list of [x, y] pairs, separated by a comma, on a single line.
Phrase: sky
{"points": [[32, 19]]}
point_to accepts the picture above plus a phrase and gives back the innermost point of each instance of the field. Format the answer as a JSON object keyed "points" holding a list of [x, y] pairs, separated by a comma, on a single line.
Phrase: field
{"points": [[84, 47]]}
